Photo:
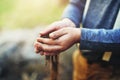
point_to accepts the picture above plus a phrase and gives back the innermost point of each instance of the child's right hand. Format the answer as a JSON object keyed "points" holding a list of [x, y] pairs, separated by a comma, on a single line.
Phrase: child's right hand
{"points": [[57, 25]]}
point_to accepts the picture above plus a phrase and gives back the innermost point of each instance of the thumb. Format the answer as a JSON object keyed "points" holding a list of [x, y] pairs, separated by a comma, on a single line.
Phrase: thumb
{"points": [[49, 29], [46, 31], [57, 34]]}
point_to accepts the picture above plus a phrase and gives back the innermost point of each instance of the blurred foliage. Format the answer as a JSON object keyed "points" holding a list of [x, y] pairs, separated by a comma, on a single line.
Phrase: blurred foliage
{"points": [[6, 6], [29, 13]]}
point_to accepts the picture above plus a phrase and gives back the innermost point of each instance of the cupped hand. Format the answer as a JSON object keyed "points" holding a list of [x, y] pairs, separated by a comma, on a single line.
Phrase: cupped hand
{"points": [[54, 27], [59, 41]]}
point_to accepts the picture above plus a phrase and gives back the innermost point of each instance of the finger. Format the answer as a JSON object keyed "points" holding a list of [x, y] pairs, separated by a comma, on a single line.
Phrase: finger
{"points": [[36, 51], [41, 53], [47, 41], [37, 47], [51, 48], [48, 30], [57, 34]]}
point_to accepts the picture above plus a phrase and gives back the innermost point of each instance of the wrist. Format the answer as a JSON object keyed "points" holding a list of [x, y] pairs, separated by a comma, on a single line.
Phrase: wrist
{"points": [[78, 34]]}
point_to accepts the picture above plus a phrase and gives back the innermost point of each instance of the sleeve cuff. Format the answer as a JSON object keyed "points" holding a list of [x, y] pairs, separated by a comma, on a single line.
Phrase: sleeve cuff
{"points": [[100, 40]]}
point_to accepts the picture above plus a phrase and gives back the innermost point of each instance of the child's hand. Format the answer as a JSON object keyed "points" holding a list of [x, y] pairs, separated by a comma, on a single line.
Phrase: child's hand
{"points": [[54, 27], [57, 25], [59, 41]]}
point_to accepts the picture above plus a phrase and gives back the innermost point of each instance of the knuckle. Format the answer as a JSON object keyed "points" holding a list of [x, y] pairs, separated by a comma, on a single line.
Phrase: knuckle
{"points": [[61, 44]]}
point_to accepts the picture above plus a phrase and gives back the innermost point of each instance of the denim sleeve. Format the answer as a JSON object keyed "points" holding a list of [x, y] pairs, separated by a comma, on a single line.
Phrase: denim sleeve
{"points": [[100, 39], [74, 11]]}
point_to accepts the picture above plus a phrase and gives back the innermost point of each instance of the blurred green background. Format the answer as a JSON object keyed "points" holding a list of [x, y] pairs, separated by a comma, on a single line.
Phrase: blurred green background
{"points": [[29, 13]]}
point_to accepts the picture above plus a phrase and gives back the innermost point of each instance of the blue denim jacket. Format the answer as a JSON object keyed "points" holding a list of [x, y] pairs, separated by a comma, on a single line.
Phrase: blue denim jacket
{"points": [[97, 33]]}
